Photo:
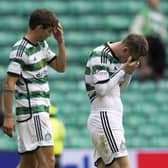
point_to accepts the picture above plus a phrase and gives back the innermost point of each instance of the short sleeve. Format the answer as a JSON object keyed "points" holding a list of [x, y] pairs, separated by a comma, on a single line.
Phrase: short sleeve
{"points": [[15, 63], [100, 70], [50, 54], [101, 76]]}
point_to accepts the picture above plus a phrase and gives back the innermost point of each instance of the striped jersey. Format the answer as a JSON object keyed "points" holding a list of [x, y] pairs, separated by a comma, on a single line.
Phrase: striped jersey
{"points": [[104, 68], [29, 62]]}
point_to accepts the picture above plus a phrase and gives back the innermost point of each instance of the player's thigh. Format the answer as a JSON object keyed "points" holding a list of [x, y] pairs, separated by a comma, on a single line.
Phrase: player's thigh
{"points": [[46, 156], [100, 164], [123, 162], [28, 160]]}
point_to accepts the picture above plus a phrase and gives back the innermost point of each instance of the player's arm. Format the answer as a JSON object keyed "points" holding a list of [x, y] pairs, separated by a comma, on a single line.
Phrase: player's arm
{"points": [[129, 67], [102, 79], [9, 124], [125, 83], [59, 63], [105, 84]]}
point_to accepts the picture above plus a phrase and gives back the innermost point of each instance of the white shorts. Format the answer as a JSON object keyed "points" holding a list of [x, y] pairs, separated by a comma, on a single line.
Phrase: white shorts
{"points": [[107, 135], [34, 133]]}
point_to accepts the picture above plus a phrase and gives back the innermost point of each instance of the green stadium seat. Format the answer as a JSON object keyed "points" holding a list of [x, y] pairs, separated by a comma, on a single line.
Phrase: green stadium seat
{"points": [[74, 72], [162, 86], [117, 22], [4, 55], [137, 141], [59, 7], [13, 23], [81, 7], [6, 7], [132, 97], [9, 38], [133, 120], [78, 54], [86, 39], [149, 130], [159, 142], [8, 143], [164, 7]]}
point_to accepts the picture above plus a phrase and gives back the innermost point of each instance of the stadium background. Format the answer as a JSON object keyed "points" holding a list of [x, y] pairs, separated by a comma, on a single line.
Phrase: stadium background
{"points": [[88, 23]]}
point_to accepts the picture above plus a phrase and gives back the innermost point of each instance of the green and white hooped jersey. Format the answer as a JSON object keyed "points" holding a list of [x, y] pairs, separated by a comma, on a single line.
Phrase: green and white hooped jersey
{"points": [[29, 62], [102, 65]]}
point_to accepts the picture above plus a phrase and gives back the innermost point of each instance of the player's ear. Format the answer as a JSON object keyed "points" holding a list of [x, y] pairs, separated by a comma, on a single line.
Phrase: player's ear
{"points": [[125, 49]]}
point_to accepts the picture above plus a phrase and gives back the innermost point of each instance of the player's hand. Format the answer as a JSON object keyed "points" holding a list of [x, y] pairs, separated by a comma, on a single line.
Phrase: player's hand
{"points": [[9, 126], [130, 66], [59, 34]]}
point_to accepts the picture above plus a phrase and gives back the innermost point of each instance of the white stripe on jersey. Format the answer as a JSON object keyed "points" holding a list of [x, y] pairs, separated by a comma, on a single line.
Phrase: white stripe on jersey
{"points": [[15, 68], [13, 54], [33, 74], [89, 79], [96, 61], [34, 87], [34, 102]]}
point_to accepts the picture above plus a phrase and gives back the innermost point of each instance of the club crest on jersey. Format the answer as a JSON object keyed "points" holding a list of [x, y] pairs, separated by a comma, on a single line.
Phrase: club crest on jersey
{"points": [[48, 137], [42, 63], [123, 146]]}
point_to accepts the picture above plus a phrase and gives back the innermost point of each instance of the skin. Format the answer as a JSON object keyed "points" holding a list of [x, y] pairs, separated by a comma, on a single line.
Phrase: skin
{"points": [[154, 3], [123, 54]]}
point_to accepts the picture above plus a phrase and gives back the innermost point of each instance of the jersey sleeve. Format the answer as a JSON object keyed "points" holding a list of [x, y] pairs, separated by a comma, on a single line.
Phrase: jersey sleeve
{"points": [[102, 79], [50, 54], [15, 62], [125, 82], [104, 88], [101, 74]]}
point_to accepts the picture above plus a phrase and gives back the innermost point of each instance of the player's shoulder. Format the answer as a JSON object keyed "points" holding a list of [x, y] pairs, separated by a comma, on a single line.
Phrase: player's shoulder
{"points": [[20, 48], [21, 44], [96, 52]]}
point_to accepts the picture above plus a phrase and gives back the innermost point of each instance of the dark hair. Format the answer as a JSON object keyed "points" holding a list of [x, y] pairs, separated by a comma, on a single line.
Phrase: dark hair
{"points": [[137, 44], [42, 17]]}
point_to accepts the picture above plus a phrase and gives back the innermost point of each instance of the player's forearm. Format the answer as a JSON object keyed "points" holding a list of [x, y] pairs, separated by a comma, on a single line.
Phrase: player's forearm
{"points": [[103, 88], [8, 101], [8, 95], [126, 81], [61, 58]]}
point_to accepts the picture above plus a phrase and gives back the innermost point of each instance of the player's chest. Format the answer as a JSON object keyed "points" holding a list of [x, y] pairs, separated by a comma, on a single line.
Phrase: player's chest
{"points": [[114, 68]]}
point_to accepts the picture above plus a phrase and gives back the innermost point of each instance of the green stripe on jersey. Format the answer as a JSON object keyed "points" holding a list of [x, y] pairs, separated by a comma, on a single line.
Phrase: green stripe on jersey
{"points": [[89, 87], [42, 80], [17, 60], [87, 71], [36, 66], [36, 94], [34, 109], [92, 96], [99, 67]]}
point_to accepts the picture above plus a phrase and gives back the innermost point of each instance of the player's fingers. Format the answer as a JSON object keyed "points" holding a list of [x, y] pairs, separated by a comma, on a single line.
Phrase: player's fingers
{"points": [[59, 26], [129, 59], [135, 64], [7, 132]]}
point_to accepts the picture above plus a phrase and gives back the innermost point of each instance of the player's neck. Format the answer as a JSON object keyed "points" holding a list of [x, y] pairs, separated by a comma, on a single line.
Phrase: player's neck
{"points": [[116, 48], [31, 37]]}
